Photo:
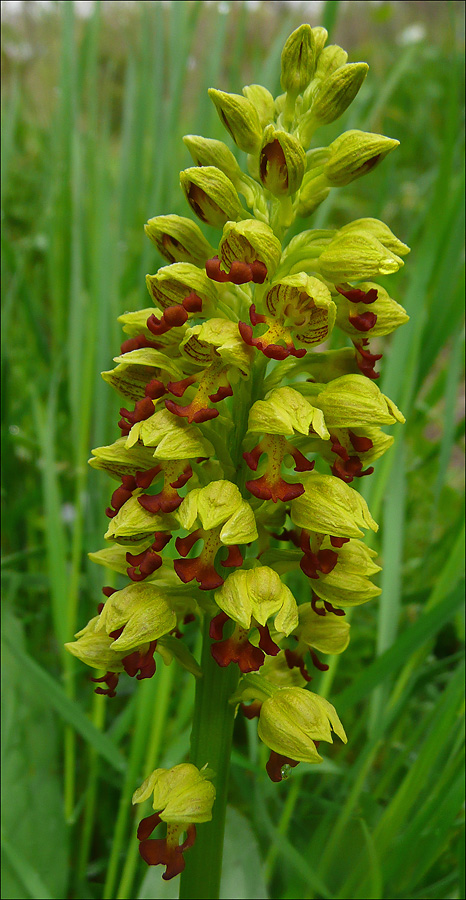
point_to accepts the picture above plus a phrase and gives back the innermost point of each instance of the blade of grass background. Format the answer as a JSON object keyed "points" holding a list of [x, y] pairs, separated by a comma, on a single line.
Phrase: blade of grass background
{"points": [[78, 341], [398, 810], [405, 647], [391, 576], [83, 376], [240, 42], [55, 537], [410, 742], [90, 791], [283, 825], [291, 855], [441, 888], [438, 815], [270, 67], [447, 280], [68, 709], [375, 886], [332, 831], [450, 575], [452, 390], [60, 217], [25, 872], [206, 118], [330, 16], [154, 130], [10, 117]]}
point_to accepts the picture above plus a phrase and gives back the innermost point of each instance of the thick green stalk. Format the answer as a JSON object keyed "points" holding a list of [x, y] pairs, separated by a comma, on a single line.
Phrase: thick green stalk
{"points": [[210, 743], [213, 721]]}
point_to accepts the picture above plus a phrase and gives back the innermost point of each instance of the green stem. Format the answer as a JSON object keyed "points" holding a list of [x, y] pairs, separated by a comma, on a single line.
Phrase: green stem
{"points": [[210, 743], [212, 731]]}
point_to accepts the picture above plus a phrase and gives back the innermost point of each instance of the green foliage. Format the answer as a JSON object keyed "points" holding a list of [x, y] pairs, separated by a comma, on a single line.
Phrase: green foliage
{"points": [[94, 110]]}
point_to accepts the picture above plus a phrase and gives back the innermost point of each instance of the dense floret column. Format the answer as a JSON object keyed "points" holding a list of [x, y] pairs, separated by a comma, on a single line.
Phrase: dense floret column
{"points": [[239, 443]]}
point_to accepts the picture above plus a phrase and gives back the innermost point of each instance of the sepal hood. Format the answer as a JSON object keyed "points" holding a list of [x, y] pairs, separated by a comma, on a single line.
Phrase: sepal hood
{"points": [[258, 594]]}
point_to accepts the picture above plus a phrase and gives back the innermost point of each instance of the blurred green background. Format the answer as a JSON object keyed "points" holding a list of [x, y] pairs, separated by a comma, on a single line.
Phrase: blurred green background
{"points": [[96, 98]]}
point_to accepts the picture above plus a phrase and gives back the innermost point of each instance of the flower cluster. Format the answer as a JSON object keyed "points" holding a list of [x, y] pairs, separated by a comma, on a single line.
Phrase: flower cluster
{"points": [[240, 435]]}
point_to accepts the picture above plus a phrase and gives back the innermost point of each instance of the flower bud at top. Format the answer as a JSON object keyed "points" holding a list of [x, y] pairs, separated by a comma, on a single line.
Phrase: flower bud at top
{"points": [[353, 255], [208, 152], [239, 117], [354, 153], [320, 37], [338, 91], [332, 99], [179, 239], [282, 162], [211, 195], [330, 59], [263, 102], [298, 60], [378, 230]]}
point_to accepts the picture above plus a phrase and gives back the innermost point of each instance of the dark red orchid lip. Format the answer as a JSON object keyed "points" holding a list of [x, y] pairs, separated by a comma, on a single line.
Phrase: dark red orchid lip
{"points": [[239, 272]]}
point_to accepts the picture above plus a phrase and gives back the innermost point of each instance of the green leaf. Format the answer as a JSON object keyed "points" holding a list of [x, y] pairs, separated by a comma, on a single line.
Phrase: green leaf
{"points": [[48, 688], [408, 642], [33, 823]]}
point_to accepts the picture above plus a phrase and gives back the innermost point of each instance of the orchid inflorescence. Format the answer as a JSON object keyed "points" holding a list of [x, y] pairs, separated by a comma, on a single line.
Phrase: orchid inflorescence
{"points": [[228, 409]]}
